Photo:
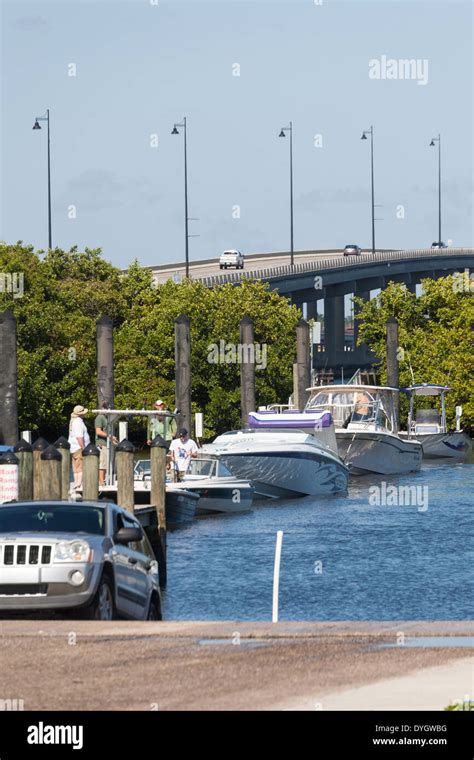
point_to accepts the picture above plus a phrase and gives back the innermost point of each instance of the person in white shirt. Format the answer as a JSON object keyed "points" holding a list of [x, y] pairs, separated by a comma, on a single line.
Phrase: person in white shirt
{"points": [[182, 450], [78, 440]]}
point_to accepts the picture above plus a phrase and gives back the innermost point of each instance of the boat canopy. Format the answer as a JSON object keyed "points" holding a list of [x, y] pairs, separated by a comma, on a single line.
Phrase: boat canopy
{"points": [[426, 389]]}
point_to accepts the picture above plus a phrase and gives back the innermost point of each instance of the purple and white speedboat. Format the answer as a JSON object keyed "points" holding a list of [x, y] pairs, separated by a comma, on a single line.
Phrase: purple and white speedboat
{"points": [[284, 455]]}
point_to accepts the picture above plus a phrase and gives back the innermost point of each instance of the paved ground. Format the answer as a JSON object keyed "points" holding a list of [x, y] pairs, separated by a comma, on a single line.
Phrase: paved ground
{"points": [[83, 665]]}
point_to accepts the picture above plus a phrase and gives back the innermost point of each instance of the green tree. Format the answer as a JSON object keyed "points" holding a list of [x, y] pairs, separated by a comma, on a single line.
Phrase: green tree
{"points": [[435, 337]]}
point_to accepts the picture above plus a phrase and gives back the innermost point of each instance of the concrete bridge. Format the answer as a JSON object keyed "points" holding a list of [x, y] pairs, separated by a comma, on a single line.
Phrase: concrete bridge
{"points": [[319, 281]]}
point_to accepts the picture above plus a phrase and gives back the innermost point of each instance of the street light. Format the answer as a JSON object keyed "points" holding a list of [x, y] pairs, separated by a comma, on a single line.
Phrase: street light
{"points": [[186, 235], [37, 125], [432, 145], [364, 137], [282, 134]]}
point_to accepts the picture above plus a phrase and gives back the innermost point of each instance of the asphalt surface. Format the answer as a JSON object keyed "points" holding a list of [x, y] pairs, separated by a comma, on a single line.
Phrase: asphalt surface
{"points": [[82, 665], [208, 268]]}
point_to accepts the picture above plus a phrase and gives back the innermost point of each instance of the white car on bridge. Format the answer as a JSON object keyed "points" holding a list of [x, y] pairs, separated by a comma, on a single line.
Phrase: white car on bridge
{"points": [[231, 258]]}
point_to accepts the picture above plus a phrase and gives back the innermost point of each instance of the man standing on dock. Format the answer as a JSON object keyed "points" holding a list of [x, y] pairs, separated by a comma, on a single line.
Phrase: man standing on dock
{"points": [[160, 424], [78, 440], [182, 450], [101, 436]]}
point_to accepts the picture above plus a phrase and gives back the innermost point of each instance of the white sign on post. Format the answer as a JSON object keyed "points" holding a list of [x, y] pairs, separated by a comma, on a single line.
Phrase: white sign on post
{"points": [[8, 482]]}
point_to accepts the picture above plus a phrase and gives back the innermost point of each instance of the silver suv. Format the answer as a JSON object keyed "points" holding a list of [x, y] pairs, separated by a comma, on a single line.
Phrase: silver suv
{"points": [[231, 258], [92, 558]]}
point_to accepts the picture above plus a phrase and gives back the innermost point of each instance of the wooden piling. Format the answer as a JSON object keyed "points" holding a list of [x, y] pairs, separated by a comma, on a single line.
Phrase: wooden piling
{"points": [[90, 473], [64, 448], [392, 364], [302, 370], [39, 446], [247, 371], [24, 453], [158, 451], [50, 474], [105, 361], [124, 468], [182, 352], [8, 380]]}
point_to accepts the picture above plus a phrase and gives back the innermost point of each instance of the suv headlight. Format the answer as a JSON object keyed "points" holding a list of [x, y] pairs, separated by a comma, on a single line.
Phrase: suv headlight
{"points": [[73, 551]]}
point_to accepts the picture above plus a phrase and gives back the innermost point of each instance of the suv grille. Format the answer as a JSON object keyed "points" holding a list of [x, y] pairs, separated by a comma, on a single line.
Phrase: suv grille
{"points": [[25, 554]]}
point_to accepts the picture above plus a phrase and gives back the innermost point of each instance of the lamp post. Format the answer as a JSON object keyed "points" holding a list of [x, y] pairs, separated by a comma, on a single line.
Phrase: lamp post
{"points": [[282, 134], [38, 126], [364, 137], [186, 235], [432, 145]]}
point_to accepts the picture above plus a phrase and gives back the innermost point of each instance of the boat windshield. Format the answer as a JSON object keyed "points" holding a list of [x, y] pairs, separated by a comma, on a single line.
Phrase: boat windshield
{"points": [[204, 468], [367, 408]]}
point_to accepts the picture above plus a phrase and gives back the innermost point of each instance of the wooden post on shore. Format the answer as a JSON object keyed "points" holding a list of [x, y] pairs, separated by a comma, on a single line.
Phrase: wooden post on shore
{"points": [[90, 473], [301, 370], [24, 453], [392, 365], [124, 468], [50, 474], [39, 446], [64, 448], [8, 380], [247, 370], [182, 353], [158, 450]]}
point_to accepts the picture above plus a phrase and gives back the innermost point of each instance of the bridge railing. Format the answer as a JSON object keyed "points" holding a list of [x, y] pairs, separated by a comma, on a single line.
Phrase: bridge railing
{"points": [[341, 262]]}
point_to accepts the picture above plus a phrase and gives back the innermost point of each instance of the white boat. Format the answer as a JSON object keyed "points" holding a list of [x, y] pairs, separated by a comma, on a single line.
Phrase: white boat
{"points": [[219, 491], [279, 462], [428, 426], [364, 419]]}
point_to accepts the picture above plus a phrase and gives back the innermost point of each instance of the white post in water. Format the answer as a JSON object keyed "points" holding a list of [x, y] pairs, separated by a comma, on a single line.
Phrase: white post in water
{"points": [[276, 576], [26, 435], [458, 418]]}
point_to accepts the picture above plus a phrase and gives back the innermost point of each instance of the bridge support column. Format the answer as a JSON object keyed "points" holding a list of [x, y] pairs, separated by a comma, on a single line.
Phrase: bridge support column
{"points": [[333, 328], [311, 309]]}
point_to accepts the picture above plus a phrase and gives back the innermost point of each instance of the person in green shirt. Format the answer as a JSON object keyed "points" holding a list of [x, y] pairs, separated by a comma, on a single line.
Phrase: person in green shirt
{"points": [[160, 425], [101, 436]]}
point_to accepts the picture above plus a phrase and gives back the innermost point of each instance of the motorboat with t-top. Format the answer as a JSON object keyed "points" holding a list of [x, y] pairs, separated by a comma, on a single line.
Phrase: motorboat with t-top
{"points": [[219, 491], [428, 426], [366, 429]]}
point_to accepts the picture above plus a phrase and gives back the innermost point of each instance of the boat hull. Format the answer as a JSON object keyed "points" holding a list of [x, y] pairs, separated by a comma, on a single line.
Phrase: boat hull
{"points": [[278, 474], [456, 445], [379, 452], [221, 498]]}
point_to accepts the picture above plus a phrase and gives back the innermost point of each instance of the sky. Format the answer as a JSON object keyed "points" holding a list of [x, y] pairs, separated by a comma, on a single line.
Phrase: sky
{"points": [[116, 76]]}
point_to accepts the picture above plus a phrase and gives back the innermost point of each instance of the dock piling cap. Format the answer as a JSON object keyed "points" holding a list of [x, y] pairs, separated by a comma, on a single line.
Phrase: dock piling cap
{"points": [[8, 457], [159, 442], [22, 446], [51, 454], [40, 444], [125, 446], [91, 451], [62, 443]]}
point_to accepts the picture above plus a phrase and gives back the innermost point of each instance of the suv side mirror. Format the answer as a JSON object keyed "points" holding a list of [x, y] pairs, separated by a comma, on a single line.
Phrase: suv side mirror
{"points": [[127, 535]]}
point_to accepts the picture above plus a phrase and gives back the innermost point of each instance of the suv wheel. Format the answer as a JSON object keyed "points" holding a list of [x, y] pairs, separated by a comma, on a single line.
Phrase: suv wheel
{"points": [[153, 611], [102, 607]]}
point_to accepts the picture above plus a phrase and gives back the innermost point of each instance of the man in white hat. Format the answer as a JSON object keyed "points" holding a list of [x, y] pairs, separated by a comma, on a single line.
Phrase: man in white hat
{"points": [[78, 440], [160, 425]]}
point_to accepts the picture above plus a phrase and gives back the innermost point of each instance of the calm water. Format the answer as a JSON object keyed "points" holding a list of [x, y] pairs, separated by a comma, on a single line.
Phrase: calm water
{"points": [[378, 562]]}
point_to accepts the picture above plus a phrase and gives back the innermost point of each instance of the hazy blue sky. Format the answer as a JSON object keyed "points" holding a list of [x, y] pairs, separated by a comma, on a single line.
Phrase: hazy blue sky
{"points": [[142, 66]]}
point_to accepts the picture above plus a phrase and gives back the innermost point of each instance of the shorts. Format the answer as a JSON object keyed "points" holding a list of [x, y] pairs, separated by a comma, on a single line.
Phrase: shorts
{"points": [[77, 461], [102, 457]]}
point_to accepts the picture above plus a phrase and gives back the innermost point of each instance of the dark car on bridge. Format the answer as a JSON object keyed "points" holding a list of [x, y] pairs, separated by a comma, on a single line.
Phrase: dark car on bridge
{"points": [[91, 559], [352, 250], [438, 244]]}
